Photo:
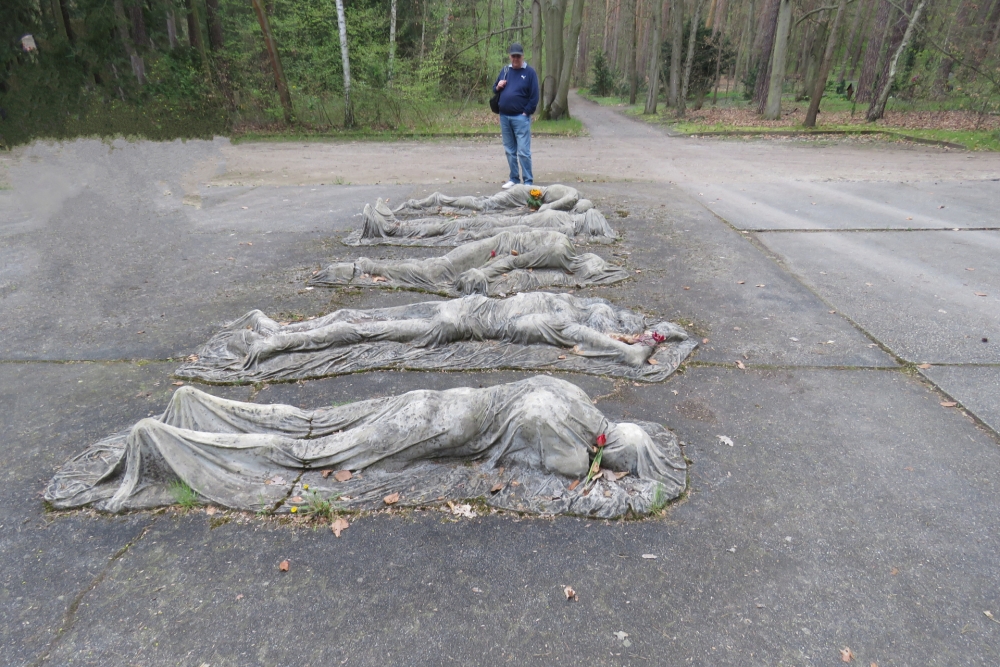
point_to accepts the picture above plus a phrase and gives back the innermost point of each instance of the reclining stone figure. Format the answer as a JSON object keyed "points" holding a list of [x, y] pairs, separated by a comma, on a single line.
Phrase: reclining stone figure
{"points": [[382, 227], [554, 197], [532, 330], [503, 264], [540, 433]]}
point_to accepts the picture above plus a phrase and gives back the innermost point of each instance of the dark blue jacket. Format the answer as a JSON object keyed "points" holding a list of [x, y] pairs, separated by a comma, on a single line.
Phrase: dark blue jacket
{"points": [[520, 95]]}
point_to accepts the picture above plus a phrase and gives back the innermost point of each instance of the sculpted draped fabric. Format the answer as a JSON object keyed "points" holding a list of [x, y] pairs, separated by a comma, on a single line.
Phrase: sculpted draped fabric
{"points": [[382, 227], [503, 264], [532, 330], [554, 197], [532, 437]]}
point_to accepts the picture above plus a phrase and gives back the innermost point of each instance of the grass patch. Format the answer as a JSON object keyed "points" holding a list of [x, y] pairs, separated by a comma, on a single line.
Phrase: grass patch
{"points": [[184, 495]]}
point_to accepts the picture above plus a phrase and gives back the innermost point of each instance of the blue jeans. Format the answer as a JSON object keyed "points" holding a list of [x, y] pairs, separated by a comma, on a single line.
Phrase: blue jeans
{"points": [[516, 133]]}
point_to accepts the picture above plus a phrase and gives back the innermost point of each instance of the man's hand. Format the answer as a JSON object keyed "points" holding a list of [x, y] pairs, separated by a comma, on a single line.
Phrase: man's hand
{"points": [[503, 82]]}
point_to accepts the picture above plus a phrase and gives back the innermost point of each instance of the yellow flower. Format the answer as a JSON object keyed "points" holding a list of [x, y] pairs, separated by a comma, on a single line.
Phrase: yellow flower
{"points": [[535, 193], [294, 510], [305, 487]]}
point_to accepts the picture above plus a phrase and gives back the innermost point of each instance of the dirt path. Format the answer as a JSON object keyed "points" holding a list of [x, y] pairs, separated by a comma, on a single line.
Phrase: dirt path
{"points": [[617, 149]]}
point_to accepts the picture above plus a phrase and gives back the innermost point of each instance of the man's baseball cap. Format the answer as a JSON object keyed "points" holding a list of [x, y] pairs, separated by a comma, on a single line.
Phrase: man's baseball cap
{"points": [[516, 49]]}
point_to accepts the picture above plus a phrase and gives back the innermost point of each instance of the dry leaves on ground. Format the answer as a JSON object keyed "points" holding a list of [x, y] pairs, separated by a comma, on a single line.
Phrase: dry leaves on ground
{"points": [[948, 404], [846, 654], [339, 526], [283, 566], [391, 499], [570, 593], [342, 475], [725, 440]]}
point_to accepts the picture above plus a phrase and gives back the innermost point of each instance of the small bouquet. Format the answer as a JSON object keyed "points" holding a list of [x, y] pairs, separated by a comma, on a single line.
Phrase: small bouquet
{"points": [[534, 199]]}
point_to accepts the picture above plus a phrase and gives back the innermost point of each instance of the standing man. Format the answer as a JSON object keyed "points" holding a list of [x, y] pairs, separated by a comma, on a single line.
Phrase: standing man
{"points": [[518, 87]]}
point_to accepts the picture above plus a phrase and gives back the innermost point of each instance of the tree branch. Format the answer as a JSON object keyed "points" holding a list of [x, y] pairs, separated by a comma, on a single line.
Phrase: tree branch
{"points": [[492, 34], [818, 10]]}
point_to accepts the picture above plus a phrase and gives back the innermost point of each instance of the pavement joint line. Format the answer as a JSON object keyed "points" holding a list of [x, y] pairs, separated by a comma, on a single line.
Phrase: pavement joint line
{"points": [[791, 367], [70, 616], [856, 230], [909, 367], [168, 360]]}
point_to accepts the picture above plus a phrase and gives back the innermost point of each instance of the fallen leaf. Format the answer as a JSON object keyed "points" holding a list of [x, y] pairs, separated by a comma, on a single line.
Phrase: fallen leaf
{"points": [[893, 572], [561, 356], [977, 294], [909, 218], [245, 207], [497, 487], [687, 288], [621, 635], [295, 499], [970, 269], [704, 341], [725, 440], [240, 596], [391, 499], [342, 475], [739, 365], [868, 284], [379, 279], [462, 510], [325, 473], [477, 590], [761, 285], [948, 404], [942, 206], [653, 362], [192, 357], [575, 483], [210, 511], [515, 483], [140, 332], [599, 475], [570, 593], [740, 282], [846, 654], [924, 366], [638, 271], [649, 556], [178, 384], [283, 566], [832, 312], [513, 252], [339, 526], [619, 475]]}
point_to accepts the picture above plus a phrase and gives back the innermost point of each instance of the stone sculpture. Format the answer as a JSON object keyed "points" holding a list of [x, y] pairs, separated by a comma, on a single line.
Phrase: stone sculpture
{"points": [[526, 442], [554, 197], [532, 331], [382, 227], [503, 264]]}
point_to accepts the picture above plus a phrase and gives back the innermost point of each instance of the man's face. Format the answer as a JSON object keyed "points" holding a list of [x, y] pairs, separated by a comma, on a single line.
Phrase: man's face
{"points": [[517, 60]]}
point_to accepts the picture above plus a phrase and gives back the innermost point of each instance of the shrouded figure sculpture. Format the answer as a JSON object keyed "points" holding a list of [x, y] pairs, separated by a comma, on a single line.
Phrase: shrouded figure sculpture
{"points": [[528, 441], [554, 197], [382, 227], [531, 330], [503, 264]]}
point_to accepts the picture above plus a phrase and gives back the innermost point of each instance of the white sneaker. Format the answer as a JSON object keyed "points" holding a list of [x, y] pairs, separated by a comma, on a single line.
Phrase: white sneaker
{"points": [[508, 185]]}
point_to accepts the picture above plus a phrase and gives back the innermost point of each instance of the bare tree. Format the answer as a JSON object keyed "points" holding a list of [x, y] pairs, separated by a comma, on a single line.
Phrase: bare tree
{"points": [[272, 52], [346, 62], [877, 108], [763, 46], [560, 106], [676, 47], [689, 62], [873, 52], [849, 46], [392, 39], [653, 72], [824, 67], [773, 109], [122, 23], [633, 75]]}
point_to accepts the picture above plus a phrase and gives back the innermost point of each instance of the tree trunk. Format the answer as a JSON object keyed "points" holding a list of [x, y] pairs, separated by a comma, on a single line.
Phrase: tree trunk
{"points": [[346, 62], [689, 62], [721, 10], [849, 46], [536, 36], [195, 38], [877, 108], [423, 31], [122, 23], [633, 74], [560, 107], [676, 46], [880, 29], [763, 47], [139, 33], [392, 39], [272, 52], [555, 17], [214, 18], [824, 67], [653, 73], [171, 28], [773, 109], [60, 20]]}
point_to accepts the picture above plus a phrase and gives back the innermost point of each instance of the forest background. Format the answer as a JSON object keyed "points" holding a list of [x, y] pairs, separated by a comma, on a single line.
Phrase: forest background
{"points": [[163, 69]]}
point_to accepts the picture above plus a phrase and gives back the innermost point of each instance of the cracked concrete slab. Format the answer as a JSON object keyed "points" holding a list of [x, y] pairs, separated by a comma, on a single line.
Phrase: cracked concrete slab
{"points": [[976, 388], [832, 521], [793, 204], [917, 292]]}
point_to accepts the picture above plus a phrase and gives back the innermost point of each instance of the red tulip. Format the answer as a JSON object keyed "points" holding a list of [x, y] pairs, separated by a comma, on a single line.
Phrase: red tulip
{"points": [[493, 253], [602, 440]]}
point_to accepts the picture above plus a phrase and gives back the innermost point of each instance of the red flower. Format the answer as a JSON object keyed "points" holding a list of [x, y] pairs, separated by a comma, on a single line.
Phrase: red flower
{"points": [[493, 253], [602, 440]]}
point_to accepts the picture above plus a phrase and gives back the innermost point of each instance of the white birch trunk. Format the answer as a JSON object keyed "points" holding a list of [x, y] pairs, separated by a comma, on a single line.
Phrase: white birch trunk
{"points": [[342, 25], [392, 39]]}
